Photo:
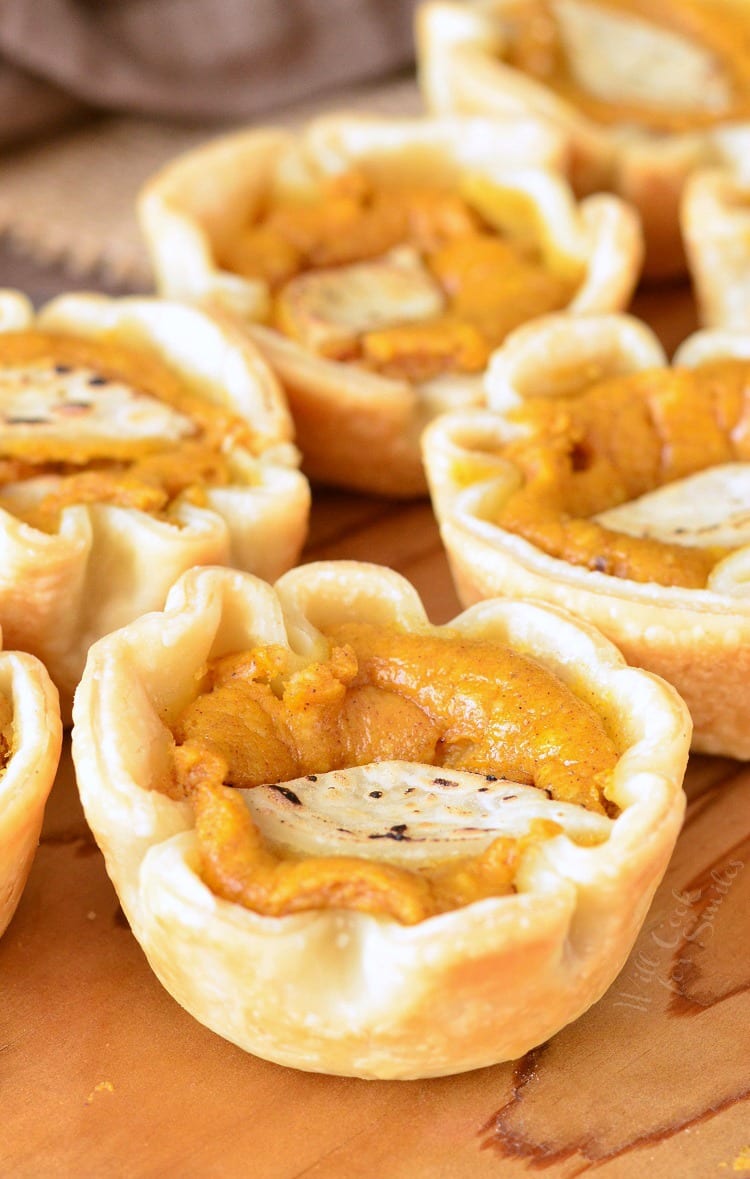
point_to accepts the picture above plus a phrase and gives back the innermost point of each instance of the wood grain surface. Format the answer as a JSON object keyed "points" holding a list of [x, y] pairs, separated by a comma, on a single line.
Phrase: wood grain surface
{"points": [[103, 1074]]}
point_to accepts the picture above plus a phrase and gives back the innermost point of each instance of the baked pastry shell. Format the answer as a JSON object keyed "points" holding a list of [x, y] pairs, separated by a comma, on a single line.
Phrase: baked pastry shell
{"points": [[462, 72], [105, 564], [357, 428], [29, 772], [697, 639], [347, 992], [715, 218]]}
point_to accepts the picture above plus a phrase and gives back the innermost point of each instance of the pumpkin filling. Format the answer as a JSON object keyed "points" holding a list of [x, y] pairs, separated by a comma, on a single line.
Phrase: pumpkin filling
{"points": [[579, 458], [667, 67], [90, 421], [467, 705], [408, 281], [6, 732]]}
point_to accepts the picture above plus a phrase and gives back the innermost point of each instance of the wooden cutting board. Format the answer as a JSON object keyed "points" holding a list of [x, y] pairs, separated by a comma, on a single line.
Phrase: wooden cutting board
{"points": [[103, 1074]]}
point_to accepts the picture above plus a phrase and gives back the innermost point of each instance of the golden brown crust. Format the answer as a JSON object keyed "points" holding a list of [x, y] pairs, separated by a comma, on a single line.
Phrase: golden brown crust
{"points": [[461, 50], [697, 639], [357, 428], [102, 564], [29, 771], [350, 992], [715, 218]]}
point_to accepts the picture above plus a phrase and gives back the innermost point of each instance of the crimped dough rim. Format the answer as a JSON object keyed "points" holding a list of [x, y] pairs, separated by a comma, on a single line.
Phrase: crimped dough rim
{"points": [[29, 772], [579, 908], [715, 216]]}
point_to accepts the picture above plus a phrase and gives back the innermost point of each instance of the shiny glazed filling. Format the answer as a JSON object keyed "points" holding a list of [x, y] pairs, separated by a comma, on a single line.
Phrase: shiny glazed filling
{"points": [[410, 282], [90, 421], [618, 440], [720, 27], [266, 716]]}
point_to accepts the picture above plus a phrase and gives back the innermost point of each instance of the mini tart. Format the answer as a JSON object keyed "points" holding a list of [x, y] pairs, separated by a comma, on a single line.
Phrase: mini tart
{"points": [[614, 51], [356, 427], [87, 378], [360, 993], [696, 638], [715, 217], [30, 741]]}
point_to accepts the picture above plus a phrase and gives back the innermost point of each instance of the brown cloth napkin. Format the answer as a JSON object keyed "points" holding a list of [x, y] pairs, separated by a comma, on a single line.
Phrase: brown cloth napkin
{"points": [[192, 59]]}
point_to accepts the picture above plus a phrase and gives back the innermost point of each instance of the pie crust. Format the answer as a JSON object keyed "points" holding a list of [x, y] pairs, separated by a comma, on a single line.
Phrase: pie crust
{"points": [[697, 639], [461, 50], [27, 776], [345, 991], [358, 428], [105, 564], [715, 216]]}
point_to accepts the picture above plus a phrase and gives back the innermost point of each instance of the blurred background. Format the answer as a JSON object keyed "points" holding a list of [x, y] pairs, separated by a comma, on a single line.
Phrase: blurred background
{"points": [[95, 94]]}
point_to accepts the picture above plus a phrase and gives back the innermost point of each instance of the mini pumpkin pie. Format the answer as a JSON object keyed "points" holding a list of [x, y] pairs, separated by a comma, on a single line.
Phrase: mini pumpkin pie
{"points": [[604, 481], [643, 93], [137, 439], [30, 741], [376, 263], [353, 842]]}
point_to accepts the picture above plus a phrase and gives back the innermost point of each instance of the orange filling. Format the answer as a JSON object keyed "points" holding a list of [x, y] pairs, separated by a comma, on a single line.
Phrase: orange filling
{"points": [[6, 731], [488, 284], [147, 473], [619, 439], [264, 718], [722, 28]]}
